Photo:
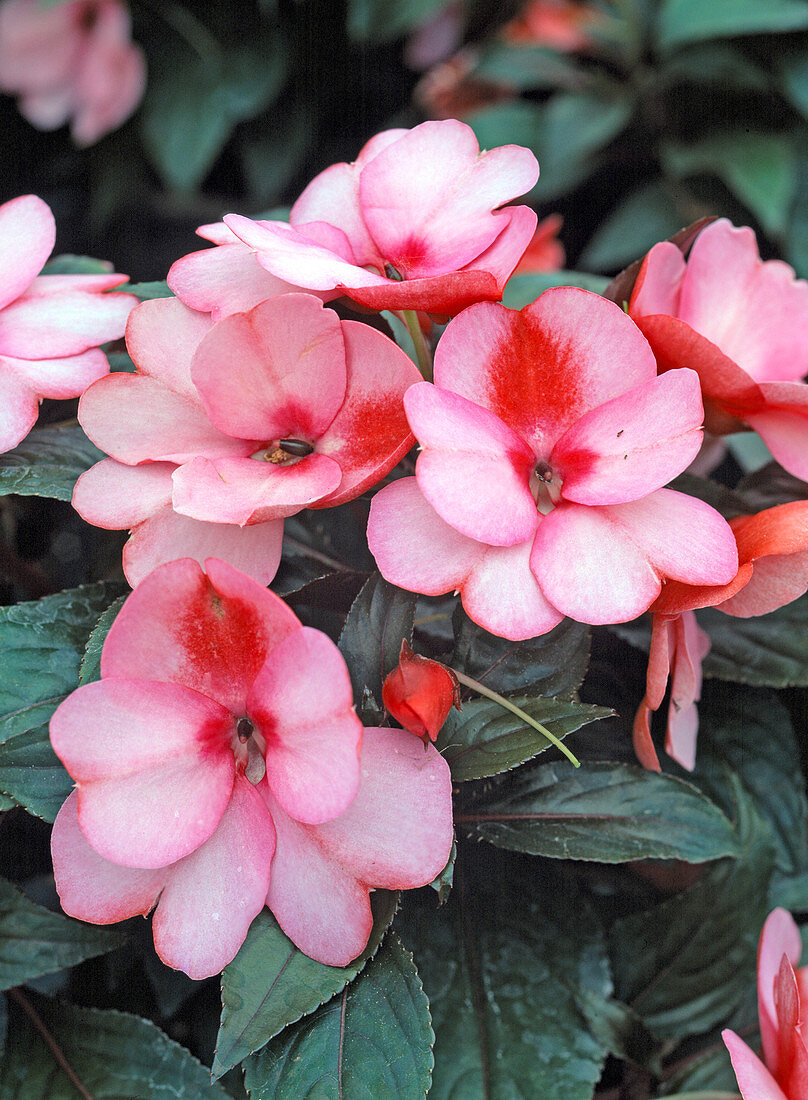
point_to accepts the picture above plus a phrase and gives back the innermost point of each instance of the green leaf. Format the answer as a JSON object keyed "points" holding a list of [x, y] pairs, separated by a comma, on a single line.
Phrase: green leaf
{"points": [[42, 644], [767, 650], [384, 20], [684, 965], [485, 739], [193, 104], [552, 664], [521, 290], [270, 984], [374, 1040], [48, 462], [715, 63], [750, 732], [637, 223], [272, 160], [115, 1056], [682, 21], [147, 291], [760, 168], [34, 941], [68, 264], [529, 68], [380, 617], [607, 812], [91, 661], [442, 885], [502, 963], [709, 1075]]}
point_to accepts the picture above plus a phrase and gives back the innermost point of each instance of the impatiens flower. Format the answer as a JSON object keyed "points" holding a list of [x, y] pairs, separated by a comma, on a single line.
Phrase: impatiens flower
{"points": [[772, 571], [545, 443], [208, 685], [545, 252], [220, 767], [50, 325], [227, 428], [742, 324], [783, 1014], [418, 221], [563, 25], [71, 62], [419, 693]]}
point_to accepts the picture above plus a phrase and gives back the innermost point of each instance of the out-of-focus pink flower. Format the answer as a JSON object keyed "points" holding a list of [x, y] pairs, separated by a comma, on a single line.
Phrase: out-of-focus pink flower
{"points": [[563, 25], [227, 428], [50, 325], [545, 251], [416, 222], [437, 37], [783, 1014], [72, 61], [209, 685], [772, 571], [453, 90], [742, 324], [419, 693], [546, 441]]}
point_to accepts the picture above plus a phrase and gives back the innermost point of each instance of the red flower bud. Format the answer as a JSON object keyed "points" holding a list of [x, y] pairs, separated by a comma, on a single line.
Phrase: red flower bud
{"points": [[419, 693]]}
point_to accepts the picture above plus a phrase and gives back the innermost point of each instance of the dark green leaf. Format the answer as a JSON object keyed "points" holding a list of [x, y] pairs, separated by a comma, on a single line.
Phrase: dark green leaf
{"points": [[192, 106], [42, 644], [529, 67], [605, 812], [767, 651], [751, 733], [619, 1029], [521, 290], [271, 161], [635, 225], [384, 20], [553, 664], [91, 661], [759, 167], [34, 941], [684, 965], [485, 739], [715, 63], [682, 21], [48, 462], [68, 264], [502, 963], [710, 1076], [115, 1056], [270, 984], [374, 1039], [147, 291], [380, 617]]}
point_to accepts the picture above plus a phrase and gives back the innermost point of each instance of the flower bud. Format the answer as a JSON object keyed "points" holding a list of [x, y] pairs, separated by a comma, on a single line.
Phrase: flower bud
{"points": [[419, 693]]}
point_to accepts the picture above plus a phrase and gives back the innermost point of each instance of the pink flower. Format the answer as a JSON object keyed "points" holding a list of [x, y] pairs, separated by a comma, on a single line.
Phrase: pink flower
{"points": [[782, 1011], [72, 61], [50, 325], [545, 252], [414, 223], [742, 324], [218, 765], [227, 428], [772, 571], [563, 25], [419, 693], [546, 441]]}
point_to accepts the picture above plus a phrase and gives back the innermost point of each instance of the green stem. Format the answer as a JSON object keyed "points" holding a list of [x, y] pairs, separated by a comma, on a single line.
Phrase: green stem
{"points": [[421, 348], [495, 697]]}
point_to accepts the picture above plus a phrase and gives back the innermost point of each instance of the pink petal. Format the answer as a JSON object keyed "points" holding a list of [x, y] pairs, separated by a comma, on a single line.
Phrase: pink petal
{"points": [[286, 253], [604, 565], [111, 79], [692, 646], [27, 236], [210, 633], [473, 470], [115, 496], [782, 424], [370, 433], [428, 198], [135, 418], [165, 535], [754, 1080], [60, 378], [153, 765], [659, 282], [396, 834], [245, 491], [413, 547], [19, 407], [633, 444], [212, 896], [333, 197], [89, 886], [223, 280], [780, 936], [502, 257], [541, 369], [275, 372], [502, 595], [67, 323], [161, 337], [776, 540], [313, 736], [443, 295], [776, 581]]}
